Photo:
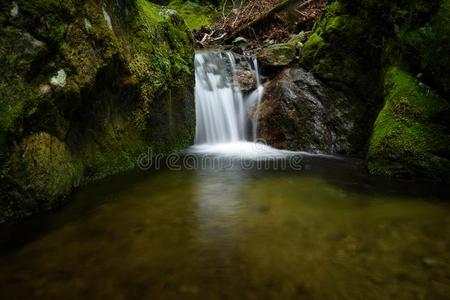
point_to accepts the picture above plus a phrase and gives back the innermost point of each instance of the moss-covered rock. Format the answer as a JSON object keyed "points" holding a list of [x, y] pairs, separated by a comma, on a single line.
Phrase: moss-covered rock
{"points": [[277, 55], [85, 88], [353, 46], [44, 164], [410, 136]]}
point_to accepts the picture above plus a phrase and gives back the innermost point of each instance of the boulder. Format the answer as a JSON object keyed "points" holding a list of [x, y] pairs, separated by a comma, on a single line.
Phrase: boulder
{"points": [[299, 112], [277, 55]]}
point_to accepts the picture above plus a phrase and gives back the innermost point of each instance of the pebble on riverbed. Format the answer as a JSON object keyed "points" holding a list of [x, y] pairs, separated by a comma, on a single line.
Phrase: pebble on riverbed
{"points": [[430, 262]]}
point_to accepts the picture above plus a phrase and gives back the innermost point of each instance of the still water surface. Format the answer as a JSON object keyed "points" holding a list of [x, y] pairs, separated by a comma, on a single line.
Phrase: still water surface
{"points": [[326, 232]]}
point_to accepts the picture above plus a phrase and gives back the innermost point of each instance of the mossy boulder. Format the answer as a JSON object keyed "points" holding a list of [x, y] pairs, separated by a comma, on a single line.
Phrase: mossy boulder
{"points": [[411, 134], [85, 88], [353, 46], [277, 55]]}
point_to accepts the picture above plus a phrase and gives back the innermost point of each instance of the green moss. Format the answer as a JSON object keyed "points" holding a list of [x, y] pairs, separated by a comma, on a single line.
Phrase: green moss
{"points": [[431, 45], [195, 15], [277, 55], [48, 19], [342, 24], [406, 140], [333, 51], [109, 152], [167, 39], [114, 106], [333, 9], [18, 50], [44, 167], [312, 49]]}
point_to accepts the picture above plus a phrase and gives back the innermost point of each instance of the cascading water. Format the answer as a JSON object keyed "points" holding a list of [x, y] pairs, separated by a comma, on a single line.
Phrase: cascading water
{"points": [[255, 97], [221, 108], [224, 124]]}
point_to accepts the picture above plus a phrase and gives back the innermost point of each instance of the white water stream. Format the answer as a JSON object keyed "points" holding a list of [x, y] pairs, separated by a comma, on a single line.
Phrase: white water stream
{"points": [[224, 125], [221, 109]]}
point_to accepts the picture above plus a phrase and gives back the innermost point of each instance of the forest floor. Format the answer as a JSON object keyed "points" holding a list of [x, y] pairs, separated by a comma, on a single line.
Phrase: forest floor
{"points": [[260, 21]]}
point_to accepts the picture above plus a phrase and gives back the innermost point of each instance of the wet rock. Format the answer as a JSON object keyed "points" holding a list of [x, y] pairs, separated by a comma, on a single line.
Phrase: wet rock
{"points": [[246, 80], [245, 75], [277, 55], [299, 112]]}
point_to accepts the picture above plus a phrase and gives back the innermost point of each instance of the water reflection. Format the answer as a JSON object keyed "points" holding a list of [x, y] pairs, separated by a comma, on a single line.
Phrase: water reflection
{"points": [[218, 204]]}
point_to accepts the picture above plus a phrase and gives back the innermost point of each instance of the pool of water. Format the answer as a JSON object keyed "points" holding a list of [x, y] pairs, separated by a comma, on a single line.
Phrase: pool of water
{"points": [[325, 231]]}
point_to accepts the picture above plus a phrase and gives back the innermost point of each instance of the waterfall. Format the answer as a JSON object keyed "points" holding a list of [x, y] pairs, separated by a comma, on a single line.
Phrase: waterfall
{"points": [[255, 97], [227, 118], [221, 108]]}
